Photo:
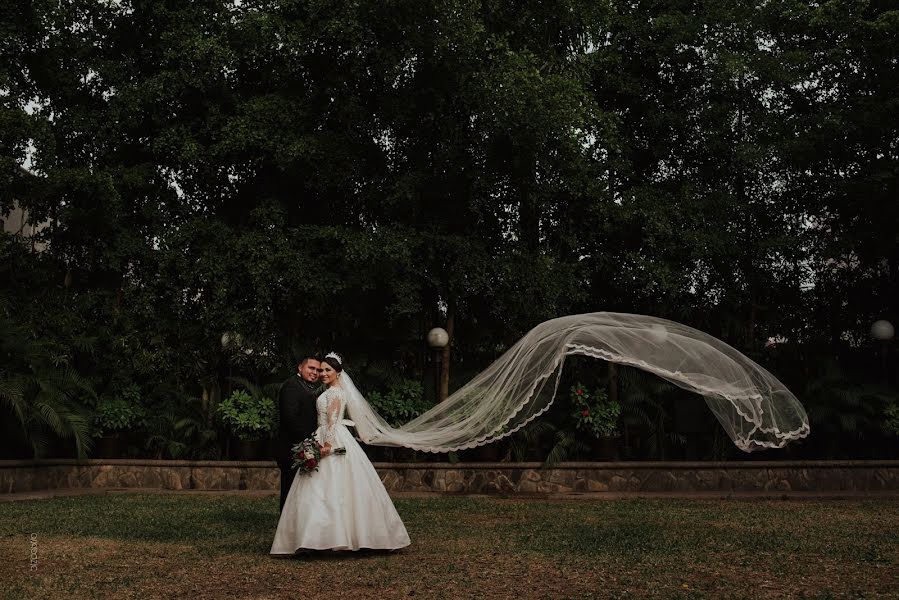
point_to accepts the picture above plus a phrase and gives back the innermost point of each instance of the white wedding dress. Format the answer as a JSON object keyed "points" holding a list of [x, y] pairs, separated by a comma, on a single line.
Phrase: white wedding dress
{"points": [[343, 505]]}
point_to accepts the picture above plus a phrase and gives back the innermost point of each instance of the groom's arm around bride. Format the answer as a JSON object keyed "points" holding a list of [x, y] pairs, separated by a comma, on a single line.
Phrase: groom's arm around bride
{"points": [[298, 419]]}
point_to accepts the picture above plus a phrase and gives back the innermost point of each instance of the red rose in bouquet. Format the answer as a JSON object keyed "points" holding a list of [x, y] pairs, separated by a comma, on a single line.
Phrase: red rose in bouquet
{"points": [[306, 455]]}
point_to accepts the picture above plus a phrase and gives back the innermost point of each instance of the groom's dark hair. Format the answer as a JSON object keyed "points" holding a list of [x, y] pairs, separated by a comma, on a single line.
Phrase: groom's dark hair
{"points": [[305, 357]]}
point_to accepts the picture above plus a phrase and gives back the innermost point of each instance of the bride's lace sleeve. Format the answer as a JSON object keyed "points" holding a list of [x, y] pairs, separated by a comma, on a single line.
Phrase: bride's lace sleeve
{"points": [[333, 412]]}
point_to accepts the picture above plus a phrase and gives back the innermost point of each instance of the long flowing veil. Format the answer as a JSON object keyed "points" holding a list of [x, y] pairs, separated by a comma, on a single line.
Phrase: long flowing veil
{"points": [[755, 409]]}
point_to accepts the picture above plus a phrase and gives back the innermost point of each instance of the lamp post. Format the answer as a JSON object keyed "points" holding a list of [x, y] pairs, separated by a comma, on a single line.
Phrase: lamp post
{"points": [[884, 331], [439, 339], [229, 340]]}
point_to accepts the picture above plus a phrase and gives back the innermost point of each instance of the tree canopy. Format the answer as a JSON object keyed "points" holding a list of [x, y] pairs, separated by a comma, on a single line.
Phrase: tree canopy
{"points": [[344, 174]]}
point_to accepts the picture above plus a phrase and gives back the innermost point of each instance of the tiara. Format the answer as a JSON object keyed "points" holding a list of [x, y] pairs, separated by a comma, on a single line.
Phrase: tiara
{"points": [[335, 356]]}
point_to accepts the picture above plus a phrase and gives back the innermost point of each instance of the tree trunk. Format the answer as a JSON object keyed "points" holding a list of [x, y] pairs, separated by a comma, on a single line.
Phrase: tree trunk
{"points": [[529, 213], [613, 382], [445, 356]]}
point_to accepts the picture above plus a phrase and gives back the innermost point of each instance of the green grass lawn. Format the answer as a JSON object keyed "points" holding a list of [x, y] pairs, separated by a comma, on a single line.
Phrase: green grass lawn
{"points": [[170, 546]]}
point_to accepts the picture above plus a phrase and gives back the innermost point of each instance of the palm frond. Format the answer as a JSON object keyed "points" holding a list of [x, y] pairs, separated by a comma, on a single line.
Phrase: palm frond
{"points": [[248, 385], [40, 388], [567, 446], [12, 395], [86, 344], [49, 415], [529, 437]]}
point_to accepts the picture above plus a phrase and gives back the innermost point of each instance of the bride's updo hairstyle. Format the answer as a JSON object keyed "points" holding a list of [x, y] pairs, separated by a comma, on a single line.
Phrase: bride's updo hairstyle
{"points": [[335, 360]]}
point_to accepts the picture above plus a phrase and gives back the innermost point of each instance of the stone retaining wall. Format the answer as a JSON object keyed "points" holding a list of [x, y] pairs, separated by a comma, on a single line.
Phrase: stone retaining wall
{"points": [[469, 478]]}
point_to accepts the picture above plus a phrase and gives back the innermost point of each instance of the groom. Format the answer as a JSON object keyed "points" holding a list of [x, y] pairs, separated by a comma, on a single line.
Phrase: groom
{"points": [[296, 402]]}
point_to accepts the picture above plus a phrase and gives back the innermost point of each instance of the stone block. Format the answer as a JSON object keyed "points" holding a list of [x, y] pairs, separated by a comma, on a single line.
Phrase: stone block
{"points": [[659, 481], [412, 479], [504, 484], [885, 479], [618, 483], [532, 475], [597, 486], [392, 481], [82, 477], [563, 477], [128, 478], [703, 480], [547, 487], [777, 485], [453, 476], [259, 479], [171, 480], [528, 487], [489, 487], [455, 487]]}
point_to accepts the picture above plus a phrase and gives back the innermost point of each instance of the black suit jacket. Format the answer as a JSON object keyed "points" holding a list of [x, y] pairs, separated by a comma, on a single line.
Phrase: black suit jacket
{"points": [[299, 419]]}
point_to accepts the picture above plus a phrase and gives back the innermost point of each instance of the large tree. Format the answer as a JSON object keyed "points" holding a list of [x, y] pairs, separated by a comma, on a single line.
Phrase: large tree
{"points": [[348, 175]]}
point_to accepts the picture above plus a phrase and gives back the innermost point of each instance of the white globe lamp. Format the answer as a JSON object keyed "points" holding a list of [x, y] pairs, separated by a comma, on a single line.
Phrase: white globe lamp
{"points": [[882, 330], [438, 338]]}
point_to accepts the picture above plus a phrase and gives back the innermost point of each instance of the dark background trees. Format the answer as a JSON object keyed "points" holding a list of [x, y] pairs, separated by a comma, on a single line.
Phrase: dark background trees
{"points": [[318, 175]]}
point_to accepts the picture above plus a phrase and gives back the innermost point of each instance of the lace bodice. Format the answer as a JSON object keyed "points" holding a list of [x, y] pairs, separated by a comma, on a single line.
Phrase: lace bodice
{"points": [[330, 406]]}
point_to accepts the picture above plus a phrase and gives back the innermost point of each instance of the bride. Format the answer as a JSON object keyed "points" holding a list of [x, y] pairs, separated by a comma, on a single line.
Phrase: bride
{"points": [[343, 505]]}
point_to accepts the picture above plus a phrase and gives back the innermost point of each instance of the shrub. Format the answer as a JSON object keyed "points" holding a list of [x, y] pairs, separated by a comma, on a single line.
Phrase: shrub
{"points": [[594, 412], [403, 402], [118, 413], [247, 416], [891, 420]]}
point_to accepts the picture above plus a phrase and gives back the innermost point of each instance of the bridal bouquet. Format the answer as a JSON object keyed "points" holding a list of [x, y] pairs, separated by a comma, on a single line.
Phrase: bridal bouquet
{"points": [[308, 453]]}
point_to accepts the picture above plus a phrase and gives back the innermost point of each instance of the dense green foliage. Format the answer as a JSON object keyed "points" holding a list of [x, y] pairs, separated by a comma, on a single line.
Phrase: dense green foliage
{"points": [[402, 402], [119, 413], [594, 412], [345, 175], [246, 416]]}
